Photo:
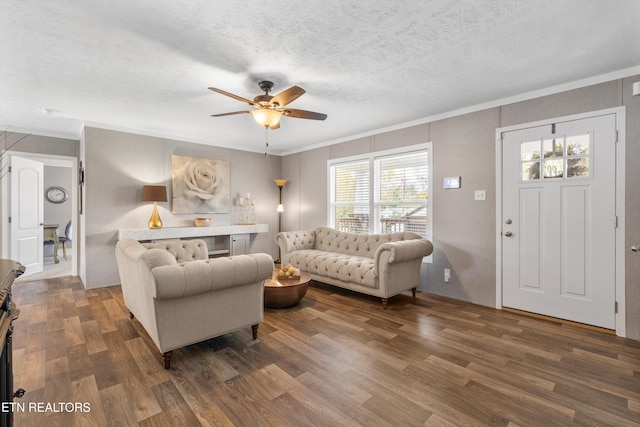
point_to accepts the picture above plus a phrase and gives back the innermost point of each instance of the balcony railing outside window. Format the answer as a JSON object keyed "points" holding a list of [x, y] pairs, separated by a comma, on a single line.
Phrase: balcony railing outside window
{"points": [[354, 223], [394, 225], [360, 224]]}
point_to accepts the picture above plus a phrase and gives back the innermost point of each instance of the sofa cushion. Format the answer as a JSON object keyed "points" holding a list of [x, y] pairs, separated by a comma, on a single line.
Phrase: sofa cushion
{"points": [[348, 268], [363, 245], [202, 276], [157, 257], [182, 250]]}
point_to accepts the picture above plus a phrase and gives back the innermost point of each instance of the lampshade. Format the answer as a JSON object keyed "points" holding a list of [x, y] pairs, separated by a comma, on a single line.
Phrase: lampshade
{"points": [[280, 183], [266, 117], [154, 193]]}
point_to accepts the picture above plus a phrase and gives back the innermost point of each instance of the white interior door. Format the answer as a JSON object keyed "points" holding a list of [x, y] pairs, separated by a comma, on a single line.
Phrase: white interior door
{"points": [[27, 213], [559, 219]]}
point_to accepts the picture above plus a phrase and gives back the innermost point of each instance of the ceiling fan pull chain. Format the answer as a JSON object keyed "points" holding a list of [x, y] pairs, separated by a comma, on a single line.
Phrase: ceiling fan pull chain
{"points": [[266, 140]]}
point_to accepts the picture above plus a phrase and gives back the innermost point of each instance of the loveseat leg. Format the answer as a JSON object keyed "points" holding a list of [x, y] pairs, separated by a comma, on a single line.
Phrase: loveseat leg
{"points": [[254, 331], [131, 316], [167, 359], [413, 291], [385, 302]]}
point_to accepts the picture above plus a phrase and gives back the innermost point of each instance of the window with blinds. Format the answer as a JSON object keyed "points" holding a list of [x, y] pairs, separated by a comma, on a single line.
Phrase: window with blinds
{"points": [[350, 196], [381, 192], [401, 193]]}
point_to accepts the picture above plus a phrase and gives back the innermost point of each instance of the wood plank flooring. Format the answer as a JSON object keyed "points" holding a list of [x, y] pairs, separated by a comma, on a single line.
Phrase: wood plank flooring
{"points": [[337, 359]]}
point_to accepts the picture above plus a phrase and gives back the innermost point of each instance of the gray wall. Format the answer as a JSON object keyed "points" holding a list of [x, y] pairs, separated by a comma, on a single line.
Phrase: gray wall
{"points": [[58, 213], [464, 229], [39, 144], [118, 164], [632, 207]]}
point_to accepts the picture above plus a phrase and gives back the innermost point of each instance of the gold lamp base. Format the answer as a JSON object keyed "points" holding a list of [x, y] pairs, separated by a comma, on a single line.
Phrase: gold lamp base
{"points": [[155, 221]]}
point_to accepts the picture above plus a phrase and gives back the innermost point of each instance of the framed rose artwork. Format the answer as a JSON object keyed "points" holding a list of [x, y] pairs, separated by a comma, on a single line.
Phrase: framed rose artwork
{"points": [[200, 185]]}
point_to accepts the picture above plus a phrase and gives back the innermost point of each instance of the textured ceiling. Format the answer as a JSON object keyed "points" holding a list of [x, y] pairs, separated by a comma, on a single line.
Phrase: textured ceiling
{"points": [[144, 65]]}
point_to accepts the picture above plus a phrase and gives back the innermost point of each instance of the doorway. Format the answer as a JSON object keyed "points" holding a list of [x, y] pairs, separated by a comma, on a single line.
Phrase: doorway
{"points": [[559, 226], [59, 172]]}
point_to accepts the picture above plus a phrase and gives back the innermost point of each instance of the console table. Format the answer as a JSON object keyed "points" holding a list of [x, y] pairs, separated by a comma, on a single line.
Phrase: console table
{"points": [[238, 236]]}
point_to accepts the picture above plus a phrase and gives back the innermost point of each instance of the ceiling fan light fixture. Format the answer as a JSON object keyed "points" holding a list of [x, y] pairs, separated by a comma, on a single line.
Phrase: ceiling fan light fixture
{"points": [[266, 117]]}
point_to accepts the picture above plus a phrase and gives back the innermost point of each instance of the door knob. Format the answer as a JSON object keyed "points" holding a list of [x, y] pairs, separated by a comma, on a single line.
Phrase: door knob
{"points": [[635, 248], [508, 221], [508, 233]]}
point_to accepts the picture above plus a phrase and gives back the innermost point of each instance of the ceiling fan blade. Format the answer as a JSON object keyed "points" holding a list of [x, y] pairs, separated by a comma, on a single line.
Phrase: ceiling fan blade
{"points": [[287, 96], [229, 114], [303, 114], [231, 95]]}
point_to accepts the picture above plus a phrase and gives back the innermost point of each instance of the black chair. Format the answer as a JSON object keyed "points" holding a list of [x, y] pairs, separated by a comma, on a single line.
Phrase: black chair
{"points": [[65, 239]]}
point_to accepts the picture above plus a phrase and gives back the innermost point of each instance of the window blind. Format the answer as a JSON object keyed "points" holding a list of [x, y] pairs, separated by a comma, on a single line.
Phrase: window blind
{"points": [[401, 193], [350, 196]]}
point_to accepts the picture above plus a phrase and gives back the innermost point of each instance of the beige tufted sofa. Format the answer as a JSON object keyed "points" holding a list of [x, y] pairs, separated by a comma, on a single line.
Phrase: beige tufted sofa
{"points": [[382, 265], [182, 297]]}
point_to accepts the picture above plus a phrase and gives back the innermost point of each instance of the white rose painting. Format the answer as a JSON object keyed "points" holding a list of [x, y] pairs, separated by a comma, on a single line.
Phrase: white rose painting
{"points": [[200, 185]]}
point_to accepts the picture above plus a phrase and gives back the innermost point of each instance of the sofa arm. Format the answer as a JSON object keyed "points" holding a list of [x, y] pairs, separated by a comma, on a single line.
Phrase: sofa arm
{"points": [[295, 240], [130, 248], [402, 250], [197, 277]]}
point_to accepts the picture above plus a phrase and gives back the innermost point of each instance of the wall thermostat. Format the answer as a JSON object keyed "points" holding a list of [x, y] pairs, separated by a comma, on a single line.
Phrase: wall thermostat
{"points": [[452, 181]]}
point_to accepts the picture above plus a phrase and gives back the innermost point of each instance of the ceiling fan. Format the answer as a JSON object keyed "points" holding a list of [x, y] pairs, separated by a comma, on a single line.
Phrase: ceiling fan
{"points": [[268, 108]]}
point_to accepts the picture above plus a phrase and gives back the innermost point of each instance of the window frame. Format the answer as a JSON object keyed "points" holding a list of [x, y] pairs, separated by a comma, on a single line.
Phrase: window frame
{"points": [[371, 159], [565, 157]]}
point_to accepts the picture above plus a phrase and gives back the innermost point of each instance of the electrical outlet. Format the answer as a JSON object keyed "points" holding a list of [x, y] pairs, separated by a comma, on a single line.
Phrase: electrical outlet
{"points": [[481, 195], [447, 275]]}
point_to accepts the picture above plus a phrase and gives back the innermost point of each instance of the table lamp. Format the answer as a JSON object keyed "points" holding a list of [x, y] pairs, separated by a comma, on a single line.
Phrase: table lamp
{"points": [[155, 194]]}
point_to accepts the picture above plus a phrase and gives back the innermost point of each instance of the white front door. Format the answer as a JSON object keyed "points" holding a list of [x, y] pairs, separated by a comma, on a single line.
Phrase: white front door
{"points": [[559, 219], [27, 213]]}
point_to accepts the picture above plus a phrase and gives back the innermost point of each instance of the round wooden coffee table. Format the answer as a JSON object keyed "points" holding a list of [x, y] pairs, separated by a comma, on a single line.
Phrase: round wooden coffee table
{"points": [[283, 293]]}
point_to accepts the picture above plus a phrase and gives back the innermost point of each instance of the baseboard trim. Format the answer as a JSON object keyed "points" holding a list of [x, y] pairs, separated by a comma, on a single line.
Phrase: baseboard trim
{"points": [[558, 320]]}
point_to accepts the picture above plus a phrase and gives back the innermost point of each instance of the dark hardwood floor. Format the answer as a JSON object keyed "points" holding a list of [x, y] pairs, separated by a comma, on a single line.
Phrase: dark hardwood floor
{"points": [[337, 359]]}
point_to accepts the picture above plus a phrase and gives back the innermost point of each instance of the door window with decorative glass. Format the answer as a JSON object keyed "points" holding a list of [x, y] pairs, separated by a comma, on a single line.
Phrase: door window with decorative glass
{"points": [[563, 157]]}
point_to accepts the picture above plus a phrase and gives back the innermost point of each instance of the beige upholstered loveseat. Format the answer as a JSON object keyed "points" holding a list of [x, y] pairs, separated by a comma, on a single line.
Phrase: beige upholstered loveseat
{"points": [[182, 297], [382, 265]]}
